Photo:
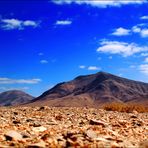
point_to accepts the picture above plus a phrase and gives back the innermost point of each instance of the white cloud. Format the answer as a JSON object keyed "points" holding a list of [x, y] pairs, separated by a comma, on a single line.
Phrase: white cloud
{"points": [[13, 88], [30, 23], [121, 32], [10, 24], [19, 81], [142, 24], [43, 61], [144, 54], [144, 33], [63, 22], [122, 48], [89, 67], [93, 68], [144, 17], [144, 68], [40, 54], [82, 66], [141, 30], [136, 29], [100, 3], [146, 60]]}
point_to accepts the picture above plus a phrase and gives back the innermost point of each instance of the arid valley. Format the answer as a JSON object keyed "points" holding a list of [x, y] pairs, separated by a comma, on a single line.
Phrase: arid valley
{"points": [[88, 111], [74, 74]]}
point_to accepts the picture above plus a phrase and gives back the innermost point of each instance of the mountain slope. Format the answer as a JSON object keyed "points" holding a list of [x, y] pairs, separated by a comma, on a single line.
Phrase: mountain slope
{"points": [[14, 97], [94, 90]]}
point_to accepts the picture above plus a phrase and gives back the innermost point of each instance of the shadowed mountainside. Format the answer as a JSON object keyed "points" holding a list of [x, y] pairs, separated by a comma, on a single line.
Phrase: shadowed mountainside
{"points": [[14, 97], [94, 90]]}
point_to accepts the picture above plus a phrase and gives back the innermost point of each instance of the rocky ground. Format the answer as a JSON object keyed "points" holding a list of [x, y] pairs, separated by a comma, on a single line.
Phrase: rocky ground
{"points": [[72, 127]]}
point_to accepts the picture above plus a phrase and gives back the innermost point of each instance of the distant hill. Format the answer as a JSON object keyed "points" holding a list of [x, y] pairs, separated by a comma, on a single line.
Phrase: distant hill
{"points": [[14, 97], [94, 90]]}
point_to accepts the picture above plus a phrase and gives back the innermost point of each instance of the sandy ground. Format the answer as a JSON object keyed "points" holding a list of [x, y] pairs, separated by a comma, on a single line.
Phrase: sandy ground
{"points": [[41, 127]]}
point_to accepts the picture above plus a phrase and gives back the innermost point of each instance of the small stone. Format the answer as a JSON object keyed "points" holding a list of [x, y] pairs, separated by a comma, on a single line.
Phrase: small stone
{"points": [[101, 139], [45, 137], [16, 122], [43, 108], [138, 123], [91, 134], [59, 117], [36, 124], [133, 116], [115, 145], [13, 135], [29, 120], [52, 122], [135, 112], [122, 122], [40, 144], [15, 113], [3, 146], [39, 129], [97, 122], [25, 135]]}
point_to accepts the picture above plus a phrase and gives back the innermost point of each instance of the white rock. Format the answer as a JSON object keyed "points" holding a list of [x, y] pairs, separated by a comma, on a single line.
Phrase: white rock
{"points": [[40, 144], [97, 122], [91, 134], [39, 129], [13, 135], [115, 145]]}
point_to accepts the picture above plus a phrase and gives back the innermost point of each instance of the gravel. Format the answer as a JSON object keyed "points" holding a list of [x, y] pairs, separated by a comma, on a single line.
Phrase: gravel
{"points": [[43, 127]]}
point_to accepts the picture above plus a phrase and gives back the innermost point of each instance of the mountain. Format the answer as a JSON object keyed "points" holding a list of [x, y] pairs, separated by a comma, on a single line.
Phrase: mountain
{"points": [[94, 90], [14, 97]]}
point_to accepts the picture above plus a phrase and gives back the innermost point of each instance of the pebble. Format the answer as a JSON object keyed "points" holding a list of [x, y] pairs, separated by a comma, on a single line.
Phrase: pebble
{"points": [[39, 129], [13, 135], [97, 122], [91, 134], [115, 145], [40, 144]]}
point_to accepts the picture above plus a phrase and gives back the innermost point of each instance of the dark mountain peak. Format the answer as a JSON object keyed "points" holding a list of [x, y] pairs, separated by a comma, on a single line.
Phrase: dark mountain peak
{"points": [[103, 75], [99, 75], [14, 97], [106, 75]]}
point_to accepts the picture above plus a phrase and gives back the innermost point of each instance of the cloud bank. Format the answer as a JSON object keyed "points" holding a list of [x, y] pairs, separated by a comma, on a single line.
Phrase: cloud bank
{"points": [[144, 68], [122, 48], [63, 22], [100, 3], [121, 32], [19, 81], [10, 24]]}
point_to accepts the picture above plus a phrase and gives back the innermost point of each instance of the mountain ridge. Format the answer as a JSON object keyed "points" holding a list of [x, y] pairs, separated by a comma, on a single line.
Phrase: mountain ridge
{"points": [[96, 89], [14, 97]]}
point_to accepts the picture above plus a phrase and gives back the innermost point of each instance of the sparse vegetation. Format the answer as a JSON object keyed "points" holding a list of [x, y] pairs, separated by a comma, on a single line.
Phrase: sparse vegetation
{"points": [[122, 107]]}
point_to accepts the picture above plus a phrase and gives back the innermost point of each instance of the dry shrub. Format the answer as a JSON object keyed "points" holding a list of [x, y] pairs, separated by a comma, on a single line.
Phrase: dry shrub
{"points": [[122, 107]]}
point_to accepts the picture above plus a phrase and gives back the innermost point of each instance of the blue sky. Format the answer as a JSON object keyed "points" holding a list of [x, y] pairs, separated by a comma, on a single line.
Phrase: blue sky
{"points": [[44, 43]]}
